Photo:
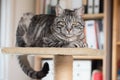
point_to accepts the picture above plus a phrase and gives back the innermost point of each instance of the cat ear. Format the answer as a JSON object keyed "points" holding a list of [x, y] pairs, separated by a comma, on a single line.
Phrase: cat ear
{"points": [[80, 11], [58, 10]]}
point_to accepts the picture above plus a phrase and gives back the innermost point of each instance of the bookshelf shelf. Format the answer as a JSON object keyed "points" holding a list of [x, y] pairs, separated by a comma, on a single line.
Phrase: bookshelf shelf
{"points": [[93, 16]]}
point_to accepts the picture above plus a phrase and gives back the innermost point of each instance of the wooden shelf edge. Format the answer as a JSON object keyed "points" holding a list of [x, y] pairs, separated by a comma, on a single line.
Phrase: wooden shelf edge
{"points": [[118, 43], [93, 16], [83, 53], [75, 57]]}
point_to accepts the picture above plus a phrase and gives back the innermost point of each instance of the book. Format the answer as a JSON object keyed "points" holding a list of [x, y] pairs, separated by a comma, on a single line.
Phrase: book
{"points": [[91, 34], [96, 5], [84, 3], [90, 7], [100, 34], [82, 69], [96, 33]]}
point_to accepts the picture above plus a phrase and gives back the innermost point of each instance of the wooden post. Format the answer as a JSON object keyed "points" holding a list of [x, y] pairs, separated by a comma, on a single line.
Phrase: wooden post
{"points": [[37, 63], [63, 65]]}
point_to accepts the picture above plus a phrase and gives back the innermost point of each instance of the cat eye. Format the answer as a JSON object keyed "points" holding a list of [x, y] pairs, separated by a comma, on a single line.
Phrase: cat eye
{"points": [[76, 24], [61, 23]]}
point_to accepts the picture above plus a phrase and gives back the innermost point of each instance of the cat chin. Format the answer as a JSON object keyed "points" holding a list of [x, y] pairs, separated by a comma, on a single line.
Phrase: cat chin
{"points": [[71, 39], [68, 39], [68, 36]]}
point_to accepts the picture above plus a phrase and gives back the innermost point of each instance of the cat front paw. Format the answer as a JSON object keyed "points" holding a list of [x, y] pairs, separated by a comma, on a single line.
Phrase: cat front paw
{"points": [[74, 44], [77, 44]]}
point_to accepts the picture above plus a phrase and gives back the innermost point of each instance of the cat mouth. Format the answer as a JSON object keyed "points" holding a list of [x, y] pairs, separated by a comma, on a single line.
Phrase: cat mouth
{"points": [[68, 36]]}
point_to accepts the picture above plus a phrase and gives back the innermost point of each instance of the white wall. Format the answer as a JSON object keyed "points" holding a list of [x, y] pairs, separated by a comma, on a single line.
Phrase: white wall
{"points": [[15, 72], [12, 10], [23, 6]]}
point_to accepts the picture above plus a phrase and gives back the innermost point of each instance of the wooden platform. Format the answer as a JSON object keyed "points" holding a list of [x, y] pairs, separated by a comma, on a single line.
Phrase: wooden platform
{"points": [[63, 57], [77, 53]]}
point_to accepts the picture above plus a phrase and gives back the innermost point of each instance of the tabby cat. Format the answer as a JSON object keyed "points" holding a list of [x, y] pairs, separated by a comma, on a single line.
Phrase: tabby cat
{"points": [[65, 29]]}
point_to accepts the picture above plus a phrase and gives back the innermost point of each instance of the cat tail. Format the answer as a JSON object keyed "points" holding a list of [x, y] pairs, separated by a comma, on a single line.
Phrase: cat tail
{"points": [[24, 64], [22, 28]]}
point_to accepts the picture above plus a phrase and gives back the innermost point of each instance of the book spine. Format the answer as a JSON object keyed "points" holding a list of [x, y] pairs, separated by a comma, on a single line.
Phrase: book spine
{"points": [[85, 2], [90, 6], [91, 37], [96, 6], [101, 34], [82, 69], [97, 33]]}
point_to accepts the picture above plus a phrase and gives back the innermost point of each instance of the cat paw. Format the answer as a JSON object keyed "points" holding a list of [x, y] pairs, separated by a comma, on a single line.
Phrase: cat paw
{"points": [[73, 45]]}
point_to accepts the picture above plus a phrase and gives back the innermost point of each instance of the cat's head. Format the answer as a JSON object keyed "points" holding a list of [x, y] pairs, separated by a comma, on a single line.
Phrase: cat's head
{"points": [[68, 25]]}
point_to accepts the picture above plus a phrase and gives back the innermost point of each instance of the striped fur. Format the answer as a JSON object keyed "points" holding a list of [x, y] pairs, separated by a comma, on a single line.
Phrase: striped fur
{"points": [[65, 29], [29, 71]]}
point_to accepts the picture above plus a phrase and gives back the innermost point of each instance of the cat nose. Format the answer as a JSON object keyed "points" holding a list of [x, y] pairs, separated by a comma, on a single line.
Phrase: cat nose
{"points": [[69, 29]]}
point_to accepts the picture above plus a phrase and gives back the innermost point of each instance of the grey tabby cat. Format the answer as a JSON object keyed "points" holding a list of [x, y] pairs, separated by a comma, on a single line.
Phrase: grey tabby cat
{"points": [[65, 29]]}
